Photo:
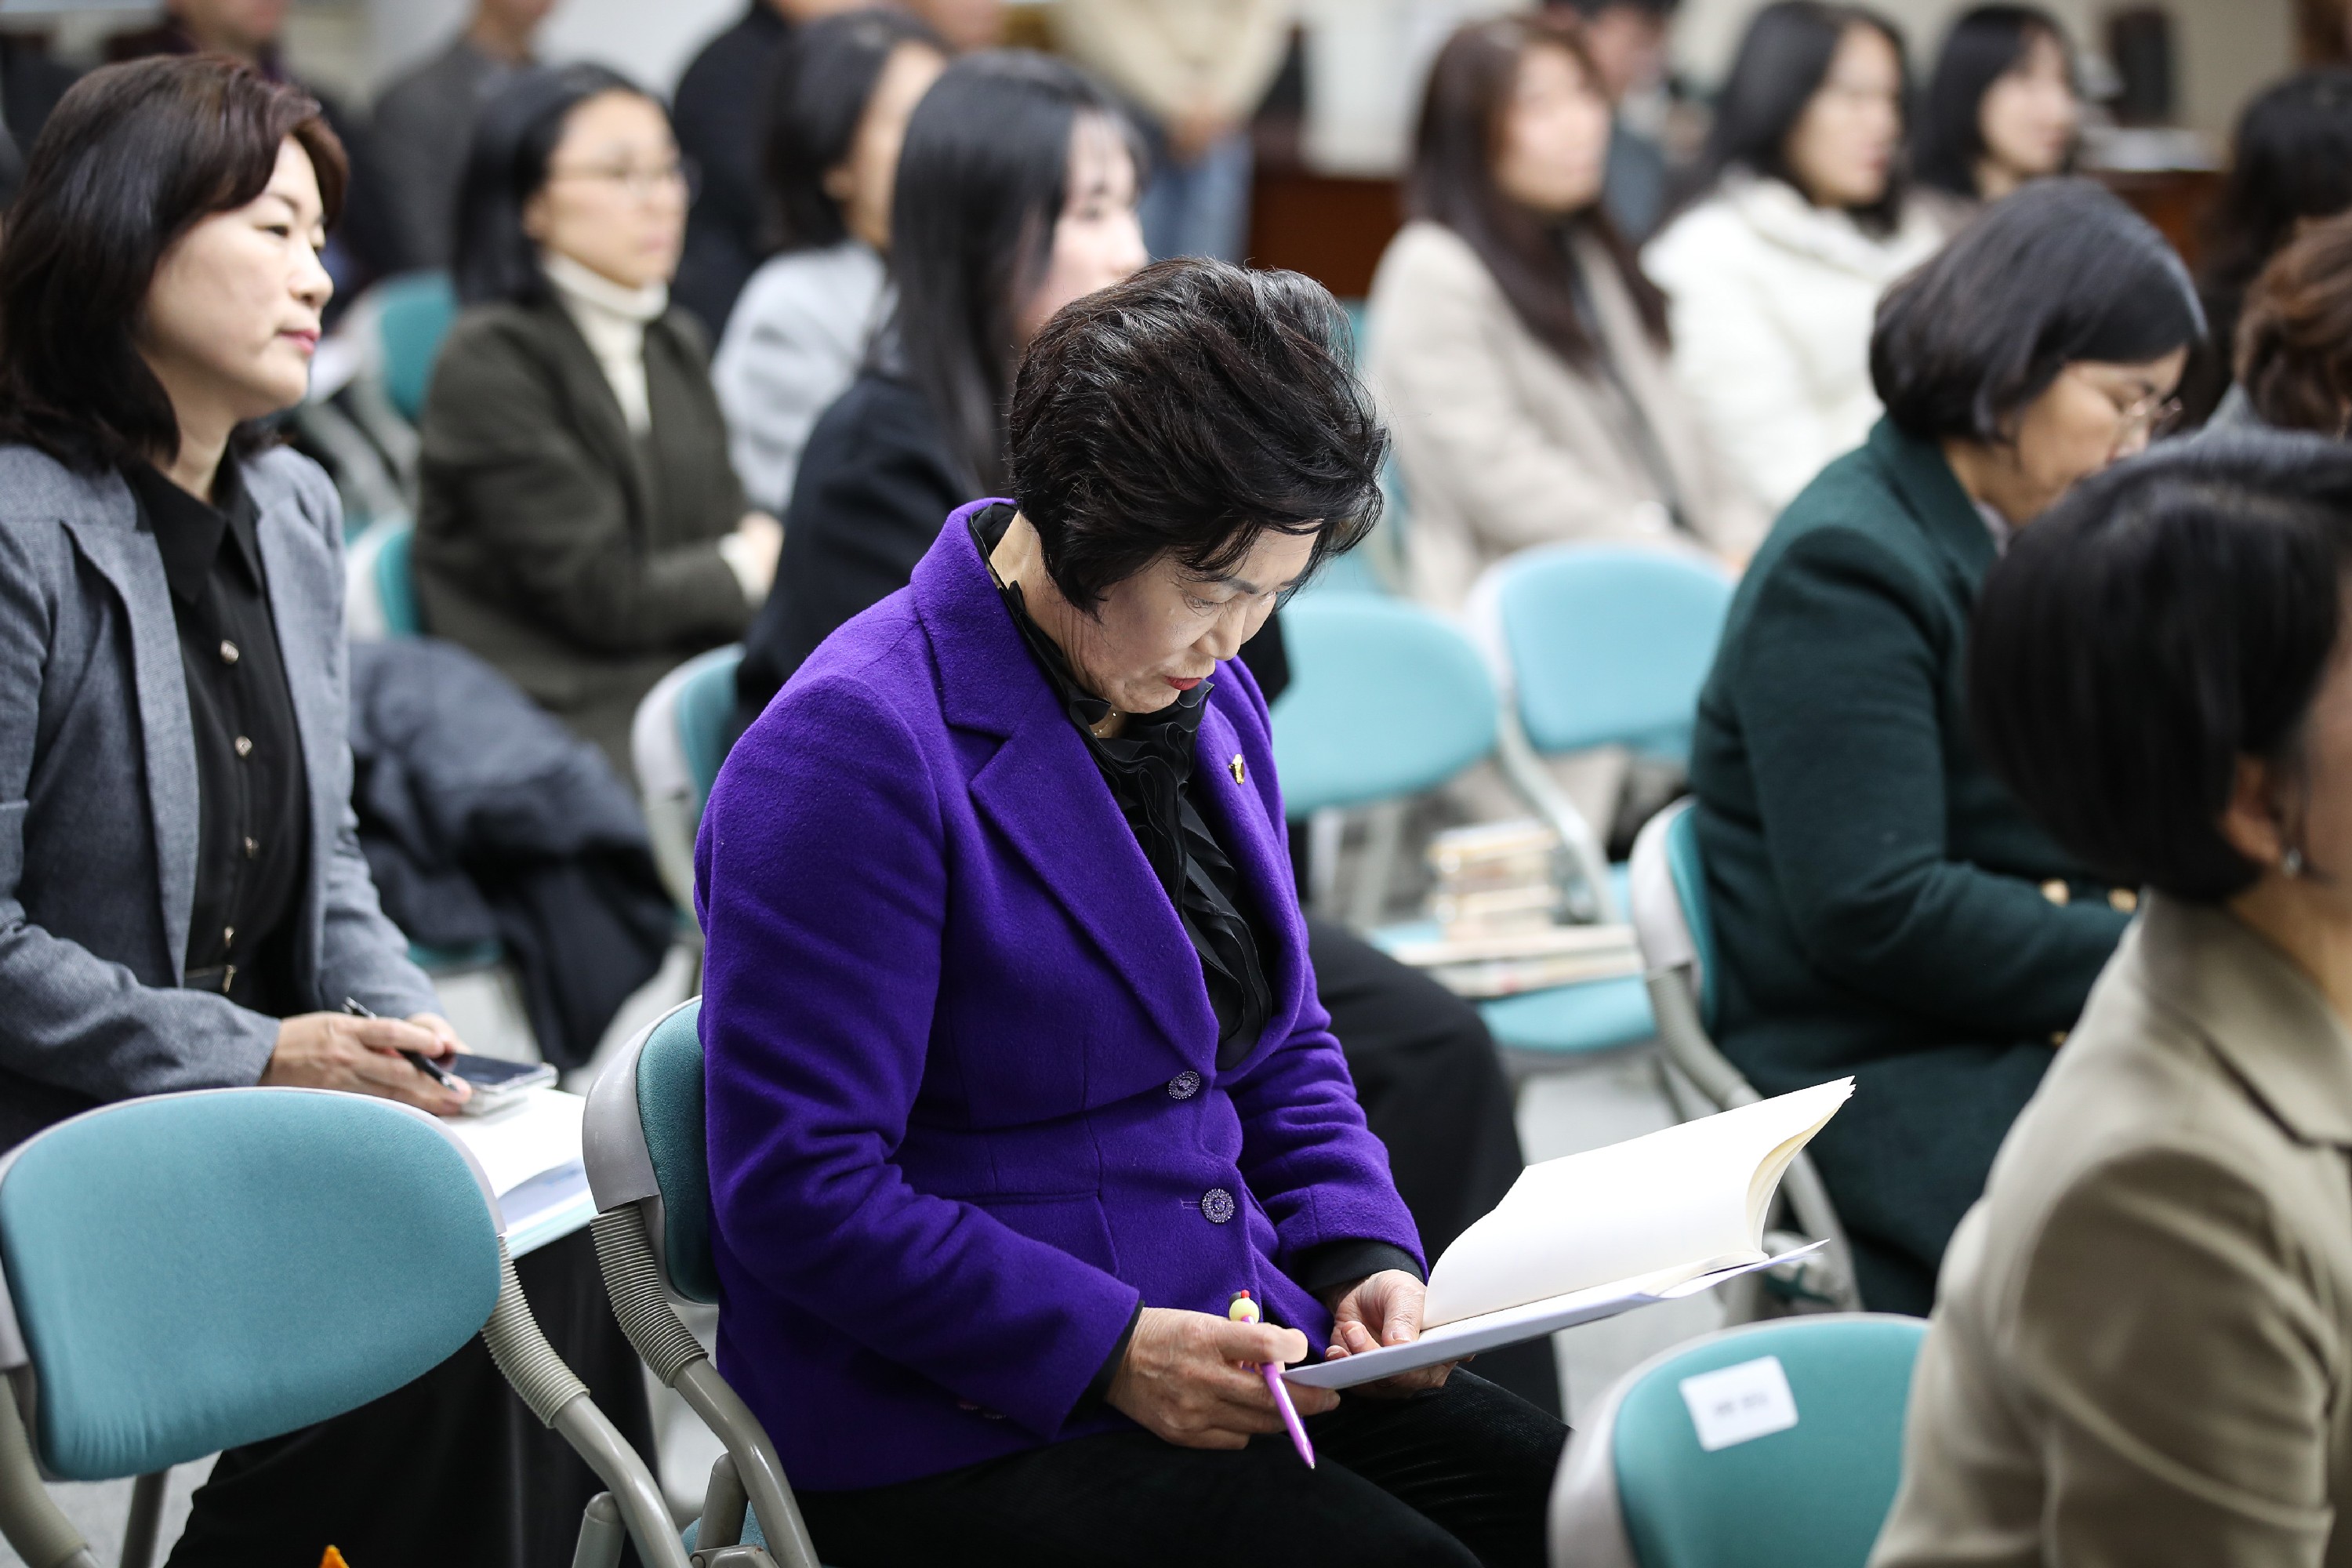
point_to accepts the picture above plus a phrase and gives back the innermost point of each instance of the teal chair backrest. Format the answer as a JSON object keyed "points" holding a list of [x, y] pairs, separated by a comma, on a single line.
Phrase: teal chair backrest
{"points": [[413, 313], [1385, 700], [395, 582], [705, 709], [1690, 889], [1811, 1496], [1609, 645], [669, 1109], [195, 1272]]}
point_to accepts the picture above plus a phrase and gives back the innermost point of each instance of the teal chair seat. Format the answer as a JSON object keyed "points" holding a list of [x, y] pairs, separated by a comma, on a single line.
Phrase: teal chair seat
{"points": [[677, 739], [1638, 1491]]}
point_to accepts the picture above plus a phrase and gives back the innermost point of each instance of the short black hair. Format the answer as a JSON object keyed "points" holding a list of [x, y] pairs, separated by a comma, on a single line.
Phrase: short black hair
{"points": [[981, 181], [1984, 45], [1184, 412], [132, 157], [1784, 56], [2060, 272], [506, 166], [2166, 618], [825, 75]]}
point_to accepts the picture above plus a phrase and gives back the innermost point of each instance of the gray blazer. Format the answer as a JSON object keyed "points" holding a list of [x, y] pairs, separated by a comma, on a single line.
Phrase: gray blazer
{"points": [[98, 797]]}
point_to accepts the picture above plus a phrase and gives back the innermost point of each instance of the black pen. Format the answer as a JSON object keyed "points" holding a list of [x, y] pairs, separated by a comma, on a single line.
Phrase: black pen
{"points": [[417, 1059]]}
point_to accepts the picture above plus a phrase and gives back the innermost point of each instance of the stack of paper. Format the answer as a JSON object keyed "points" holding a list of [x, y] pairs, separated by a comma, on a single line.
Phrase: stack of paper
{"points": [[530, 1151]]}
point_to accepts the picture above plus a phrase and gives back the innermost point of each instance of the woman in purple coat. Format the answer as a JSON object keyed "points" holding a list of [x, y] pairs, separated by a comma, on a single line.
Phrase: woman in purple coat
{"points": [[1016, 1069]]}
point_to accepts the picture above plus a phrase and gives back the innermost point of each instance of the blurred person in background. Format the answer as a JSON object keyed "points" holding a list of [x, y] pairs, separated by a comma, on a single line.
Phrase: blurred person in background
{"points": [[1015, 195], [367, 245], [2003, 108], [1626, 41], [1195, 70], [580, 527], [2294, 340], [186, 902], [1772, 273], [31, 82], [837, 113], [965, 25], [2290, 163], [1884, 907], [720, 107], [1515, 347], [424, 122]]}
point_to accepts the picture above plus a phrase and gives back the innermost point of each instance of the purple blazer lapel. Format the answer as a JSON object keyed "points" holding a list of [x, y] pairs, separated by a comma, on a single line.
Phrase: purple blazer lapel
{"points": [[1042, 791], [1239, 811]]}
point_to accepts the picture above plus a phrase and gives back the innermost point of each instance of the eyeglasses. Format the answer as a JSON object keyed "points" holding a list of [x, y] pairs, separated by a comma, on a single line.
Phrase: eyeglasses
{"points": [[2152, 414], [639, 180]]}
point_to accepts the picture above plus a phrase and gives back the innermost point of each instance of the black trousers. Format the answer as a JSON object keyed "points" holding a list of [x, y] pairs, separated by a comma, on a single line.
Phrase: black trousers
{"points": [[450, 1471], [1433, 1090], [1455, 1478]]}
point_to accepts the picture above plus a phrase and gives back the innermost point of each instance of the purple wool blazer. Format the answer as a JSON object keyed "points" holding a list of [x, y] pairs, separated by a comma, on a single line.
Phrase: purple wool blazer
{"points": [[963, 1103]]}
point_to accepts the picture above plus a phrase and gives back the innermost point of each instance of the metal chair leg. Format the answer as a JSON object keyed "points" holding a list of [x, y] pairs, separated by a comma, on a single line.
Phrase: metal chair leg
{"points": [[146, 1519], [602, 1534], [33, 1525]]}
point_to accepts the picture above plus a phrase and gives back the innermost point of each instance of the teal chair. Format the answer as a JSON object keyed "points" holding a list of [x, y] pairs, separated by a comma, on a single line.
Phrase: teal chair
{"points": [[677, 739], [380, 582], [190, 1272], [1639, 1490], [1606, 645], [649, 1169], [1386, 700], [1676, 928], [413, 316]]}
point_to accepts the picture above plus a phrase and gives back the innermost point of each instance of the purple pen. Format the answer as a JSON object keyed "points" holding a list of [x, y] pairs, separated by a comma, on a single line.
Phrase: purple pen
{"points": [[1244, 1311]]}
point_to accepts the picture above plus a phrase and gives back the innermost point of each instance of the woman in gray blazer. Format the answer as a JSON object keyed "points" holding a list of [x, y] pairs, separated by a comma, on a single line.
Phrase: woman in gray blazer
{"points": [[183, 901], [2143, 1331]]}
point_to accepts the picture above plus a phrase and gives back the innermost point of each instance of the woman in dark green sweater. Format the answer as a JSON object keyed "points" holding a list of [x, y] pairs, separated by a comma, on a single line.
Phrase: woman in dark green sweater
{"points": [[1884, 907]]}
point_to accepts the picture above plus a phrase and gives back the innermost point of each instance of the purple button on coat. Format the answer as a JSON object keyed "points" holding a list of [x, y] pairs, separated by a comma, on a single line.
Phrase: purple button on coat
{"points": [[945, 1000]]}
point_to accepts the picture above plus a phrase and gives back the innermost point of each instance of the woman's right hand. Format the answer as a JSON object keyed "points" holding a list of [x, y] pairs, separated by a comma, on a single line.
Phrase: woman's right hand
{"points": [[360, 1056], [751, 550], [1192, 1379]]}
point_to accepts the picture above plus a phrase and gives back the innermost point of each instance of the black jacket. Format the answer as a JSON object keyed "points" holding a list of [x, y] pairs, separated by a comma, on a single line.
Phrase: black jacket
{"points": [[484, 819], [875, 482], [721, 102]]}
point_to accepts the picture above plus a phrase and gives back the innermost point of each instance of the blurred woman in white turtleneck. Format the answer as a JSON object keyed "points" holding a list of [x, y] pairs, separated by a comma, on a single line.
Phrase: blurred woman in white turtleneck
{"points": [[581, 527]]}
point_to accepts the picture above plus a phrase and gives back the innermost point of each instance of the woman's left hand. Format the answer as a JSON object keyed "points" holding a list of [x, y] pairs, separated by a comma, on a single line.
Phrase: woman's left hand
{"points": [[1379, 1309]]}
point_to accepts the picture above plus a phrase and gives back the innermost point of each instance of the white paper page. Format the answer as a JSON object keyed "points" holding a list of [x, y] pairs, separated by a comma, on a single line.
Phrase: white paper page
{"points": [[538, 1133], [1674, 1202]]}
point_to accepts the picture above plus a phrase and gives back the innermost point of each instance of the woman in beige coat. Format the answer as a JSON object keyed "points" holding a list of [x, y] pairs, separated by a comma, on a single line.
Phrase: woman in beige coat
{"points": [[2143, 1339], [1519, 349]]}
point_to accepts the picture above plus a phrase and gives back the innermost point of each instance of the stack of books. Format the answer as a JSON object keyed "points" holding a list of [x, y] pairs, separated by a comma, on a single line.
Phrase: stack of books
{"points": [[1498, 916]]}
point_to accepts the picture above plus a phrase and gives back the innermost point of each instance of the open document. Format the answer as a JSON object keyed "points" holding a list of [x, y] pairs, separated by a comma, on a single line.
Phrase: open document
{"points": [[1592, 1234], [530, 1151]]}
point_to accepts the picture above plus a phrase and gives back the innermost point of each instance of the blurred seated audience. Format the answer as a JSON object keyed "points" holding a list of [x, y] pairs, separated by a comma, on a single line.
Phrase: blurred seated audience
{"points": [[2294, 340], [2144, 1329], [1626, 42], [186, 906], [2002, 109], [1195, 71], [425, 123], [581, 527], [31, 81], [2290, 164], [1772, 276], [1046, 193], [1515, 347], [1882, 906], [1016, 193], [365, 244], [838, 112]]}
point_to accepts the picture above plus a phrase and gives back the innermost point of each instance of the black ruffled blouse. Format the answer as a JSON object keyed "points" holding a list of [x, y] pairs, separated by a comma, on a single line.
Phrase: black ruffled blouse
{"points": [[1148, 767]]}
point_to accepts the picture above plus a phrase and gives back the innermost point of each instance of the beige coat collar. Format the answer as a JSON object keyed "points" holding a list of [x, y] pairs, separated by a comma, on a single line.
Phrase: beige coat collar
{"points": [[2258, 1010]]}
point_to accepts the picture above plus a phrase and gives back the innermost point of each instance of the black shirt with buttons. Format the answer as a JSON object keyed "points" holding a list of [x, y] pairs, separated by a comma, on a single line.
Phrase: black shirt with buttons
{"points": [[252, 815]]}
